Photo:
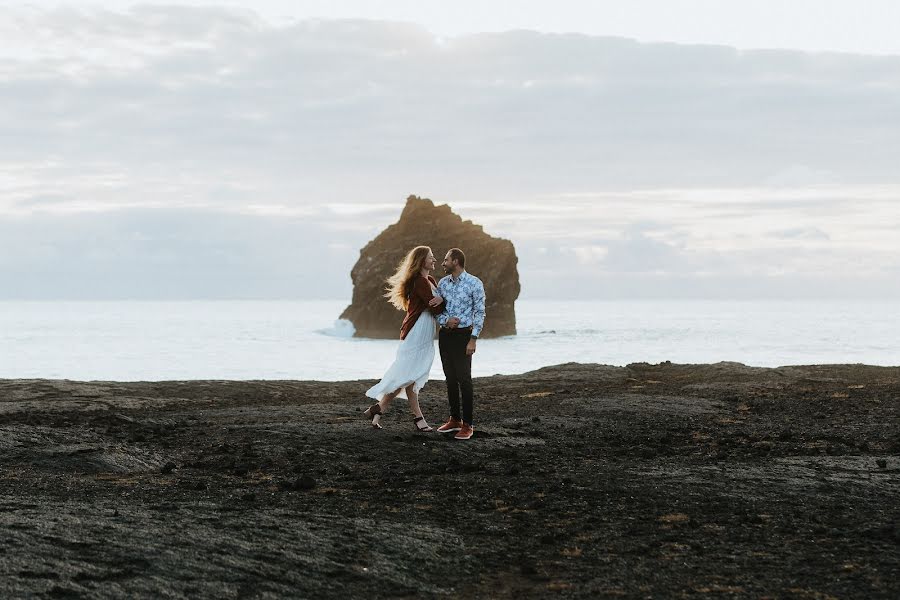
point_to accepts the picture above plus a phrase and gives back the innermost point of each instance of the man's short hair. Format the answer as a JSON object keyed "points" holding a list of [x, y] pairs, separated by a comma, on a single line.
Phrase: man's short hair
{"points": [[459, 256]]}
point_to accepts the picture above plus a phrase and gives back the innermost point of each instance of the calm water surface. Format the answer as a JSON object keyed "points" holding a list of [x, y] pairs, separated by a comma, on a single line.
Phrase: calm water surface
{"points": [[127, 341]]}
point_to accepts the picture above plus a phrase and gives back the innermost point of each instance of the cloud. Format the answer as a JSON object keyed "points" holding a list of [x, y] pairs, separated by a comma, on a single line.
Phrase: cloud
{"points": [[284, 252], [180, 152], [216, 87], [801, 233], [588, 255], [639, 253], [800, 175], [175, 254]]}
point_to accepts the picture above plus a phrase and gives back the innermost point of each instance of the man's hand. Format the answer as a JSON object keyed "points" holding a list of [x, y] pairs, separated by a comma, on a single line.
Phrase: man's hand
{"points": [[470, 348], [435, 301], [453, 322]]}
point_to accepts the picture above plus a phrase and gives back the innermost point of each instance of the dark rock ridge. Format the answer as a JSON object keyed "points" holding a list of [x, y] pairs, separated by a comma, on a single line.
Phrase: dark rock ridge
{"points": [[582, 481], [493, 260]]}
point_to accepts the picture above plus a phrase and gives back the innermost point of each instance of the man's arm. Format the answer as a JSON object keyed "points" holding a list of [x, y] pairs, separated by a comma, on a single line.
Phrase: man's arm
{"points": [[479, 300]]}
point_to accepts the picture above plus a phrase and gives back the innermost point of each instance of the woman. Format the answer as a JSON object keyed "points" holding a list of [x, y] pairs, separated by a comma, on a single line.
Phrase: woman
{"points": [[411, 288]]}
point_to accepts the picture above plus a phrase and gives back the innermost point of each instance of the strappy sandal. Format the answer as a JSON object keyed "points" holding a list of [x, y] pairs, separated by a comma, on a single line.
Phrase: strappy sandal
{"points": [[422, 425], [374, 413]]}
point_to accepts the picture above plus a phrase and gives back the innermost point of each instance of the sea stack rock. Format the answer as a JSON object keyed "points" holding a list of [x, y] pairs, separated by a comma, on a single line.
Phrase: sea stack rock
{"points": [[493, 260]]}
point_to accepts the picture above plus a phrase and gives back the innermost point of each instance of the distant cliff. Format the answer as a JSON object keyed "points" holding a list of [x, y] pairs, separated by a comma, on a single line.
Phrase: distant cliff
{"points": [[493, 260]]}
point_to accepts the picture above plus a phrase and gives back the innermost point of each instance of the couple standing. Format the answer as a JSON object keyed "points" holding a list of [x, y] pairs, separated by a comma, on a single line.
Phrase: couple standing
{"points": [[456, 305]]}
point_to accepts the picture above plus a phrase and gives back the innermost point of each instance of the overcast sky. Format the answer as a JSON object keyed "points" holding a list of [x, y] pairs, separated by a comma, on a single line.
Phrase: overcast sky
{"points": [[866, 26], [217, 152]]}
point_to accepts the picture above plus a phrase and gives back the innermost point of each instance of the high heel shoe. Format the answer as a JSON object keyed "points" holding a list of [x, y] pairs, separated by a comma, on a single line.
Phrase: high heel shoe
{"points": [[374, 413], [422, 425]]}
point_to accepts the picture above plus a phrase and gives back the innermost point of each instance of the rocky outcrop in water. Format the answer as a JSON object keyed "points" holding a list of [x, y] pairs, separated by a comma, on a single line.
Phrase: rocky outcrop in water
{"points": [[491, 259]]}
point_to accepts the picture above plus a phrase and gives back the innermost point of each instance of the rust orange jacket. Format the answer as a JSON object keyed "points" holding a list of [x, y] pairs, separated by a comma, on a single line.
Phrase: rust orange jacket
{"points": [[419, 297]]}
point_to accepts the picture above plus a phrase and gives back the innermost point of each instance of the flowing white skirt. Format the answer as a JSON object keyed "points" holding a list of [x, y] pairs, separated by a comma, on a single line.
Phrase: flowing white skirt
{"points": [[413, 363]]}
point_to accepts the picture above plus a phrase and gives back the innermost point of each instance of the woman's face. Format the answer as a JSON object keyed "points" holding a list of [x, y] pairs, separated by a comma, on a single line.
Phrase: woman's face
{"points": [[430, 261]]}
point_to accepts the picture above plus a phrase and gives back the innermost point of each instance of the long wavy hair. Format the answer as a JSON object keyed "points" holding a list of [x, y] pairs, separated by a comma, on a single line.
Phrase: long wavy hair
{"points": [[401, 282]]}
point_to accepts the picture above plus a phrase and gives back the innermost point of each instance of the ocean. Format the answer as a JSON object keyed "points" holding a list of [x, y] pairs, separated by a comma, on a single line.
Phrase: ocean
{"points": [[153, 341]]}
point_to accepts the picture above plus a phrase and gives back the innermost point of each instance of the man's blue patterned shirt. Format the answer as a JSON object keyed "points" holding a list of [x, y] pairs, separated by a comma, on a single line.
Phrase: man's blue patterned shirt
{"points": [[464, 297]]}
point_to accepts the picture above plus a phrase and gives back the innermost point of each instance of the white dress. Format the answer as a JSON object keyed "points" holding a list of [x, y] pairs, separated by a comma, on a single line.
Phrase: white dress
{"points": [[413, 363]]}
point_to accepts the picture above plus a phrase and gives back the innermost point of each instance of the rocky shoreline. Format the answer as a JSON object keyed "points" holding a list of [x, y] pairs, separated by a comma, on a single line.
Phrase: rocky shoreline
{"points": [[645, 481]]}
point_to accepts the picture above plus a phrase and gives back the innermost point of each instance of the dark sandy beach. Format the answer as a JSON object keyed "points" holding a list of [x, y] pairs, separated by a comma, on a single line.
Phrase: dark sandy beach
{"points": [[646, 481]]}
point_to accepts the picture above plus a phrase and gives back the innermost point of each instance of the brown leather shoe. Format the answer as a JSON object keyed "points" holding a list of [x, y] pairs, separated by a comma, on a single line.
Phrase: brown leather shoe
{"points": [[450, 426], [465, 432]]}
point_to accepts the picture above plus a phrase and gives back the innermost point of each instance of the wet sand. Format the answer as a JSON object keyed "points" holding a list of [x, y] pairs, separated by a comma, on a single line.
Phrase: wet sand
{"points": [[645, 481]]}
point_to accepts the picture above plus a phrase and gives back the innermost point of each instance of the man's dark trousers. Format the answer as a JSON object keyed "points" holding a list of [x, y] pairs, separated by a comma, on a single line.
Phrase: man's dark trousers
{"points": [[457, 370]]}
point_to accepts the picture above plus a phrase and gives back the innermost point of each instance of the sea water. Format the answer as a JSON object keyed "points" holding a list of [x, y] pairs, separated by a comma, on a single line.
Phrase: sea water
{"points": [[151, 341]]}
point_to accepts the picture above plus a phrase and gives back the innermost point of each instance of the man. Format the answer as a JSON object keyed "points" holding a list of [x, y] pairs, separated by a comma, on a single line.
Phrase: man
{"points": [[461, 323]]}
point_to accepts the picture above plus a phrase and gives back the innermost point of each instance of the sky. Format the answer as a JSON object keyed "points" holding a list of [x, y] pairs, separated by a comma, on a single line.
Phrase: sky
{"points": [[867, 26], [640, 150]]}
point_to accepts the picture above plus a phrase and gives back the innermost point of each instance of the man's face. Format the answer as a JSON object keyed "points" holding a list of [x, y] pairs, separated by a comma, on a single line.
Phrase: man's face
{"points": [[449, 264]]}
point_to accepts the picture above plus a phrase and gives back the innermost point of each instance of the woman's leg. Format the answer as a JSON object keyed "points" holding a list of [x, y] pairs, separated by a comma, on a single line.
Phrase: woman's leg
{"points": [[419, 420], [386, 400], [413, 401], [382, 405]]}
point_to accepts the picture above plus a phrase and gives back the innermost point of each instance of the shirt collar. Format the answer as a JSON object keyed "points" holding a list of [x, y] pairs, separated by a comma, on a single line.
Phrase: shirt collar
{"points": [[460, 278]]}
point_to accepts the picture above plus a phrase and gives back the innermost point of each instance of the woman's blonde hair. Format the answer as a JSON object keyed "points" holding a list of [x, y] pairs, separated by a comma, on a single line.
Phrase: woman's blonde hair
{"points": [[401, 282]]}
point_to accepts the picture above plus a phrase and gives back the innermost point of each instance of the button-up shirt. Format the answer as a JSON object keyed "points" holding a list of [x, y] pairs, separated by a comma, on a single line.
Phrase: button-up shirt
{"points": [[464, 297]]}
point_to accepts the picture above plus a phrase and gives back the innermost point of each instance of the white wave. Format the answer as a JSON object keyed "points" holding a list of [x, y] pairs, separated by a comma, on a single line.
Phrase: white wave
{"points": [[342, 328]]}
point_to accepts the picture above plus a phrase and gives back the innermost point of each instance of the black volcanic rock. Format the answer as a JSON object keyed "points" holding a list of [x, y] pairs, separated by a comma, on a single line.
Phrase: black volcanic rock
{"points": [[83, 510], [491, 259]]}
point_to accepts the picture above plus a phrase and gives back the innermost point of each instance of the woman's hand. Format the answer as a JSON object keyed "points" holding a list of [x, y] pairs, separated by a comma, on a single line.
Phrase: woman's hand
{"points": [[437, 300]]}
